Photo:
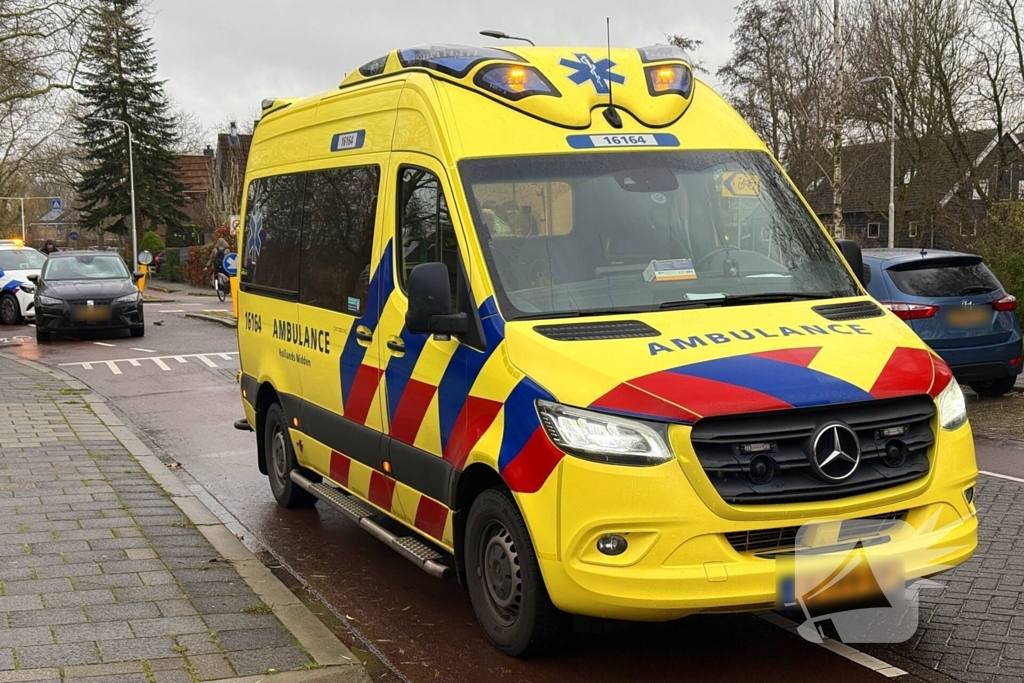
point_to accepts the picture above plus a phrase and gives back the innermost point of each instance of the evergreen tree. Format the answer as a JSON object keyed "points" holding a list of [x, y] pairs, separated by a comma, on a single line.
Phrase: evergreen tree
{"points": [[119, 82]]}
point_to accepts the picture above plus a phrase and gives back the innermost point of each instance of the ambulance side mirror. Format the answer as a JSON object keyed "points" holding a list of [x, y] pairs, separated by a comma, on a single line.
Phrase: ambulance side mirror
{"points": [[430, 302], [851, 252]]}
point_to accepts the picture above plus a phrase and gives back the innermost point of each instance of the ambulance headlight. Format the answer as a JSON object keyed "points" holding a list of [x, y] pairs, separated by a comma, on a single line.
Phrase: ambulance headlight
{"points": [[514, 81], [668, 79], [952, 408], [603, 438]]}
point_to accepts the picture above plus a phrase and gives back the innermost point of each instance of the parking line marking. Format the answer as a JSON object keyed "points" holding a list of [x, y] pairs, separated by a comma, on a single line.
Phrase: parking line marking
{"points": [[841, 649], [159, 361], [172, 310], [103, 344], [145, 350], [1001, 476]]}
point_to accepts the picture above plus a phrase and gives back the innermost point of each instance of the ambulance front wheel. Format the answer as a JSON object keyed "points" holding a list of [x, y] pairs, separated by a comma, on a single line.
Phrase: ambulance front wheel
{"points": [[505, 583], [281, 461]]}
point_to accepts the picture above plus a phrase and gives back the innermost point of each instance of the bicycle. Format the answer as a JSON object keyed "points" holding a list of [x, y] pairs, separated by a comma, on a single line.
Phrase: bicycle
{"points": [[221, 284]]}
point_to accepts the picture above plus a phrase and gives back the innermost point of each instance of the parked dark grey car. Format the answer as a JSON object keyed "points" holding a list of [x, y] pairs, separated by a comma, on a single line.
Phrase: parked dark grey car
{"points": [[87, 290]]}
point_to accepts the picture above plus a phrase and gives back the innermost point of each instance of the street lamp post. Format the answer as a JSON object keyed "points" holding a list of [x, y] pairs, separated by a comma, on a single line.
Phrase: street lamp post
{"points": [[131, 180], [892, 153], [21, 201]]}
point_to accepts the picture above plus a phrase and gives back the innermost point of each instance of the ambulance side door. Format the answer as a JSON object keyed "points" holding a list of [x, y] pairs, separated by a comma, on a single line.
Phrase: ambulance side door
{"points": [[425, 377]]}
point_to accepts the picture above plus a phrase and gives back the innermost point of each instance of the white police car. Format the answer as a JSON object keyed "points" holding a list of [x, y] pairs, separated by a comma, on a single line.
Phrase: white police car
{"points": [[17, 294]]}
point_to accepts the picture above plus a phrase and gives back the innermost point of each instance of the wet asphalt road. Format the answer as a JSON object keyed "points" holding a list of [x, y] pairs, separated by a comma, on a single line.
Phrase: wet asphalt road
{"points": [[424, 629]]}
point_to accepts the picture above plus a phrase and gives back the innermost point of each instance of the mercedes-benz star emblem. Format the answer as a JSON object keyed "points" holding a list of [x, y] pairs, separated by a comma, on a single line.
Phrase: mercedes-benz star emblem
{"points": [[835, 453]]}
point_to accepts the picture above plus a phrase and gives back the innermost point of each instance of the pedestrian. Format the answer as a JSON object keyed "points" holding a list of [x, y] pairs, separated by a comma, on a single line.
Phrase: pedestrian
{"points": [[49, 247]]}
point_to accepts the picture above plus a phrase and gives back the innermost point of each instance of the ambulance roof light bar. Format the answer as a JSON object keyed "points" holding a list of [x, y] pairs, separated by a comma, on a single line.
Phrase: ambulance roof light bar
{"points": [[501, 35]]}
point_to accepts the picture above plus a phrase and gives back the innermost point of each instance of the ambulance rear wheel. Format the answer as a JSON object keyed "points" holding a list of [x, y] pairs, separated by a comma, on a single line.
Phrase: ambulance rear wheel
{"points": [[505, 583], [281, 461]]}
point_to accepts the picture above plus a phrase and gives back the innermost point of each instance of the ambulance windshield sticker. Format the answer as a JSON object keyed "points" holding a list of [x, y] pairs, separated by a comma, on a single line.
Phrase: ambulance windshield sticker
{"points": [[353, 304], [658, 198], [346, 142], [255, 234], [598, 73], [669, 270]]}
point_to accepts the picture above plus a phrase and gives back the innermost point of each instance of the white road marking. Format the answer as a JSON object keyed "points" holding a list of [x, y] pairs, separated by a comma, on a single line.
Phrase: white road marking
{"points": [[159, 361], [1001, 476], [172, 310], [145, 350], [841, 649], [103, 344]]}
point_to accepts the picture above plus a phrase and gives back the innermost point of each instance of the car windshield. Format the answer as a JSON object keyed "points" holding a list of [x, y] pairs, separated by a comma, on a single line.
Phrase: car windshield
{"points": [[85, 267], [21, 259], [599, 233]]}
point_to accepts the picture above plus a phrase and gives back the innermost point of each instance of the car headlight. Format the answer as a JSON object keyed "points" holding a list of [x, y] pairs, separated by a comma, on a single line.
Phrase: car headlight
{"points": [[47, 300], [603, 438], [27, 288], [952, 408], [127, 298]]}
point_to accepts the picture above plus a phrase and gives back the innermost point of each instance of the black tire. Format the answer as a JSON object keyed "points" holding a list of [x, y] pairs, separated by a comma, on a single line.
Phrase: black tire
{"points": [[137, 331], [505, 583], [993, 388], [42, 336], [281, 461], [10, 310], [221, 293]]}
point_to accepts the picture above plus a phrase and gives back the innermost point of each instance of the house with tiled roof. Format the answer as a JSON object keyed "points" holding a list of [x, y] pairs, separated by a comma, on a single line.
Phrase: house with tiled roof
{"points": [[942, 190]]}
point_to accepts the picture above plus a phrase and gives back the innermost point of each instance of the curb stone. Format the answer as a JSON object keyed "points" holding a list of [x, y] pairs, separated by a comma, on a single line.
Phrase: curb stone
{"points": [[336, 662], [213, 319]]}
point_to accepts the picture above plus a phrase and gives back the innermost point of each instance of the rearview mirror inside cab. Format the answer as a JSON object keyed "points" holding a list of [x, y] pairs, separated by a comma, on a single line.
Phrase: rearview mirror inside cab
{"points": [[430, 302]]}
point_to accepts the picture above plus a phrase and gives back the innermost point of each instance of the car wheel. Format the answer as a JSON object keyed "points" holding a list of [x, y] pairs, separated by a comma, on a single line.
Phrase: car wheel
{"points": [[10, 310], [281, 461], [42, 336], [992, 388], [505, 583], [137, 331]]}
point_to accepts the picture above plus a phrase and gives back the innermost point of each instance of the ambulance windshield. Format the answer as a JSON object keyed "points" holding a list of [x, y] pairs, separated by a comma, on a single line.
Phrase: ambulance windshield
{"points": [[593, 233]]}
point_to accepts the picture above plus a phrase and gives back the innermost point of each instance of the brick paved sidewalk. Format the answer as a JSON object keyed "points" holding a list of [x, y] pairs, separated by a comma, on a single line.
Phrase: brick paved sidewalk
{"points": [[102, 578]]}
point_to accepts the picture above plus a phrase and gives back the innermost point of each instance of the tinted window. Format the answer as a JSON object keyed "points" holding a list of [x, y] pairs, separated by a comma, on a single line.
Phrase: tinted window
{"points": [[425, 229], [272, 221], [938, 279], [337, 238]]}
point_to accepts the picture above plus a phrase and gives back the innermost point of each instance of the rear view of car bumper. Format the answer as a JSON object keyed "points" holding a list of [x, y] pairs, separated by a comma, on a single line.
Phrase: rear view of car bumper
{"points": [[979, 363]]}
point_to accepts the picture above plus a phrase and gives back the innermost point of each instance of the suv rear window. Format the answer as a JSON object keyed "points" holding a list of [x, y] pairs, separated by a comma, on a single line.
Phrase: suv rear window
{"points": [[938, 278]]}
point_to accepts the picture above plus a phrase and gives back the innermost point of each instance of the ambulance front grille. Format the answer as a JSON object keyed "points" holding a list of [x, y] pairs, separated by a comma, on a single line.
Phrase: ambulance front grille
{"points": [[785, 538], [726, 445], [858, 310], [619, 329]]}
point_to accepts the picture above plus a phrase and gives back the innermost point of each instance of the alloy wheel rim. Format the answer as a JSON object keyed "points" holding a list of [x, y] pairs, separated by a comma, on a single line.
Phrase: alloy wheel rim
{"points": [[501, 575], [7, 309]]}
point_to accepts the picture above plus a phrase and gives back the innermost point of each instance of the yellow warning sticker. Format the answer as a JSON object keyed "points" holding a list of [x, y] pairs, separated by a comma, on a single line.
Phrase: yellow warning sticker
{"points": [[739, 184]]}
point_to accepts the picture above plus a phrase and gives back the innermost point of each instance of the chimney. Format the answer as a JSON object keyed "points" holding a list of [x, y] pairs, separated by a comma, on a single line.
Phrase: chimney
{"points": [[233, 134], [208, 152]]}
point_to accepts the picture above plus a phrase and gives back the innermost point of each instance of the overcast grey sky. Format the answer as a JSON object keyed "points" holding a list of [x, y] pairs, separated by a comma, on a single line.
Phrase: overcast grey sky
{"points": [[222, 57]]}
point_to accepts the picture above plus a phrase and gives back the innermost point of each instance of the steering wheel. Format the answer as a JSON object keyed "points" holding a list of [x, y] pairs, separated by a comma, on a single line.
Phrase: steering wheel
{"points": [[714, 252]]}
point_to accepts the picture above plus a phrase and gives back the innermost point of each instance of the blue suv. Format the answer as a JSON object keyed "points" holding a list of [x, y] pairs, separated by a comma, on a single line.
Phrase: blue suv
{"points": [[957, 306]]}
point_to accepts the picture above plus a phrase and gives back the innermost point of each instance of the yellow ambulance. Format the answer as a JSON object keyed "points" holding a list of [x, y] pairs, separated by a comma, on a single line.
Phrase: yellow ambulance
{"points": [[560, 314]]}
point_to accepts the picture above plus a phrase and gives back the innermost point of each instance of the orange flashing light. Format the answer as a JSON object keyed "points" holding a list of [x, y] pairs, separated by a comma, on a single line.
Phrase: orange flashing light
{"points": [[515, 78], [664, 78], [387, 467], [295, 422]]}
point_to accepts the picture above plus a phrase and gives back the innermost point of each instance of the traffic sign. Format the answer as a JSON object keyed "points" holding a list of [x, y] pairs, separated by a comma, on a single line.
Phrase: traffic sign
{"points": [[73, 235], [739, 184], [56, 204], [231, 264]]}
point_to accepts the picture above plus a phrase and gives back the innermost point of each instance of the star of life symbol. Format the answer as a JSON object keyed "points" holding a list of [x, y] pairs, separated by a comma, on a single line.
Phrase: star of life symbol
{"points": [[599, 73], [254, 241]]}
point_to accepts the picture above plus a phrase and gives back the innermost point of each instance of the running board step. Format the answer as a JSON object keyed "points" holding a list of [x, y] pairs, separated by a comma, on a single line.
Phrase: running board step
{"points": [[409, 547]]}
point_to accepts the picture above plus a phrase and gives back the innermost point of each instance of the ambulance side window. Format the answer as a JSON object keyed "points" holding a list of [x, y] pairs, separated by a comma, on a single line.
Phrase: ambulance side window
{"points": [[337, 238], [272, 223], [425, 231]]}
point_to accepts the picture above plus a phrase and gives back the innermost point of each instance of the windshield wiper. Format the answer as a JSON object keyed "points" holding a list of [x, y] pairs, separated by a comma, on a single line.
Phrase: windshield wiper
{"points": [[583, 313], [771, 297], [975, 289]]}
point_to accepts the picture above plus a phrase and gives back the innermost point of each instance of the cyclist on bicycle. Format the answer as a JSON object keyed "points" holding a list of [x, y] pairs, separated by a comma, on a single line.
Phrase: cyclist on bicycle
{"points": [[216, 261]]}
